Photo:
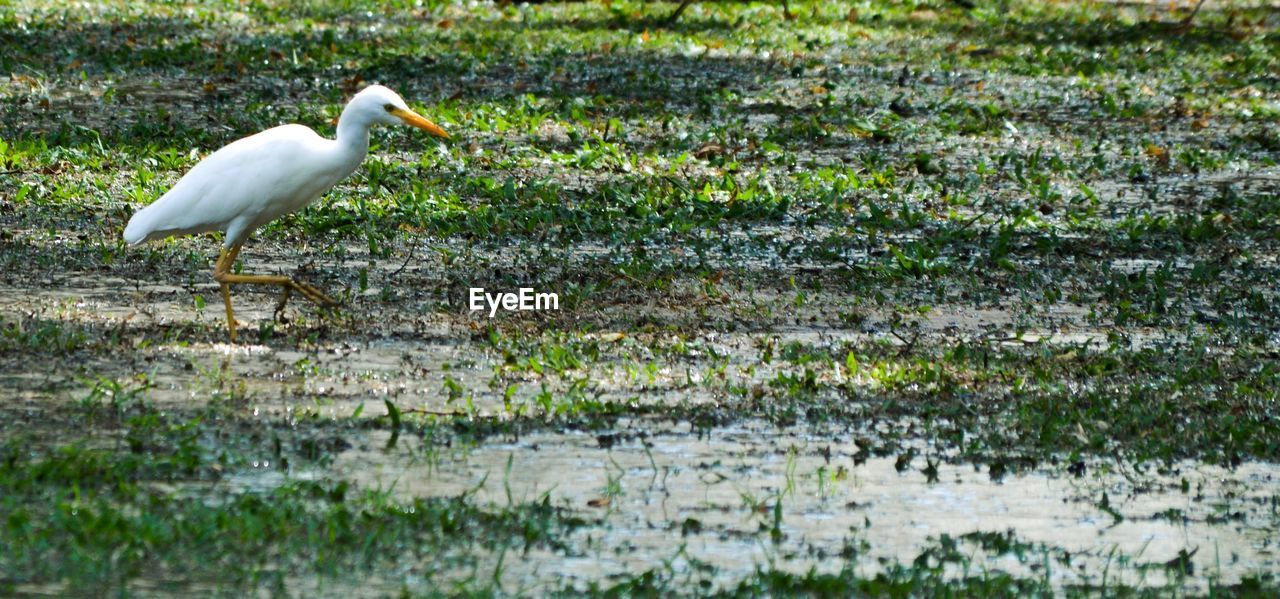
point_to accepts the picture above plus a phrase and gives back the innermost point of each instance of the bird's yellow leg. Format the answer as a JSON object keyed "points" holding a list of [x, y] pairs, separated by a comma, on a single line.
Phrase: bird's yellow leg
{"points": [[225, 260], [231, 317], [222, 273], [305, 289], [284, 299]]}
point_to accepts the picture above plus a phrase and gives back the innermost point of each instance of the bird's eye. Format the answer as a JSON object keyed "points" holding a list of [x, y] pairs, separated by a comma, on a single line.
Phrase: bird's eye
{"points": [[389, 108]]}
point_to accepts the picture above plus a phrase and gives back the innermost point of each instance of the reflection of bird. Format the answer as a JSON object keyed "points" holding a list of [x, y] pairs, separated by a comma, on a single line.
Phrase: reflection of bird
{"points": [[252, 181]]}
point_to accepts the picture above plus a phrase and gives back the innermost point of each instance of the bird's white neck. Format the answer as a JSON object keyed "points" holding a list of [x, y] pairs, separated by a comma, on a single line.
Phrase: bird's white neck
{"points": [[353, 133]]}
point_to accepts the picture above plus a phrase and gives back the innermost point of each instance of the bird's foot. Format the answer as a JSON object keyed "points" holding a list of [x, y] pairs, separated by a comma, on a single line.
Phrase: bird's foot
{"points": [[315, 295], [284, 300]]}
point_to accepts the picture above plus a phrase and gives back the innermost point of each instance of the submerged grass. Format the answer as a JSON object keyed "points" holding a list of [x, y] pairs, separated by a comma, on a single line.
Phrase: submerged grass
{"points": [[110, 524], [148, 504]]}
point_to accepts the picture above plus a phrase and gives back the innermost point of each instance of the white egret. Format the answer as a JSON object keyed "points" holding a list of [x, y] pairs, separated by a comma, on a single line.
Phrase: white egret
{"points": [[254, 180]]}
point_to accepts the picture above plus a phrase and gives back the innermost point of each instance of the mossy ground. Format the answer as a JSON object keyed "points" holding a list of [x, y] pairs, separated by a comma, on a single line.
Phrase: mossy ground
{"points": [[1026, 236]]}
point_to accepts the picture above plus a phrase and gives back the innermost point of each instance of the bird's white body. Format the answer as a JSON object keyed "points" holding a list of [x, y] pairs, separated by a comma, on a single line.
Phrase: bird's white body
{"points": [[247, 184], [257, 179], [254, 180]]}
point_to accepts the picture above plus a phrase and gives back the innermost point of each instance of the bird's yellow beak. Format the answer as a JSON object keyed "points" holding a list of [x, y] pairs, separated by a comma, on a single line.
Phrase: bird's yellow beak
{"points": [[412, 118]]}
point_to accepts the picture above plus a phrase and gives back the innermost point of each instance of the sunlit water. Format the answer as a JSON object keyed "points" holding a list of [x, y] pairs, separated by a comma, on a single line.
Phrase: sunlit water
{"points": [[680, 497]]}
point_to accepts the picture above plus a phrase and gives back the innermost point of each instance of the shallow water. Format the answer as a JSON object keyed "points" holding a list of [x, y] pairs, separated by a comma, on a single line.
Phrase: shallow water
{"points": [[710, 498]]}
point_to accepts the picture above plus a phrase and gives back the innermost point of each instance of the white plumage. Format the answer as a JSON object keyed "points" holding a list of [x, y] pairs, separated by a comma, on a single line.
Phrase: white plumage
{"points": [[255, 180], [245, 185]]}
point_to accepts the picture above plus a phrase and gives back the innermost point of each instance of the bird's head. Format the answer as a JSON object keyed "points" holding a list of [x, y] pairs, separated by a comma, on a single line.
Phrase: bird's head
{"points": [[381, 105]]}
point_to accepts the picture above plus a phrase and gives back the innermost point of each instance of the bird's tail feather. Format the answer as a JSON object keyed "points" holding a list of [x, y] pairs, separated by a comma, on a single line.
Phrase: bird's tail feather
{"points": [[141, 225]]}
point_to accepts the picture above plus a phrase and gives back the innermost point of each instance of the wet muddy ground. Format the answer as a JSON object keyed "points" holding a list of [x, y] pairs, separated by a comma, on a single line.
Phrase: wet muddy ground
{"points": [[891, 298]]}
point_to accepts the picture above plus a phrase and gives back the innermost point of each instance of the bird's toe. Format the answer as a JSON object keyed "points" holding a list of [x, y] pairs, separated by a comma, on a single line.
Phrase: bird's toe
{"points": [[317, 296]]}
